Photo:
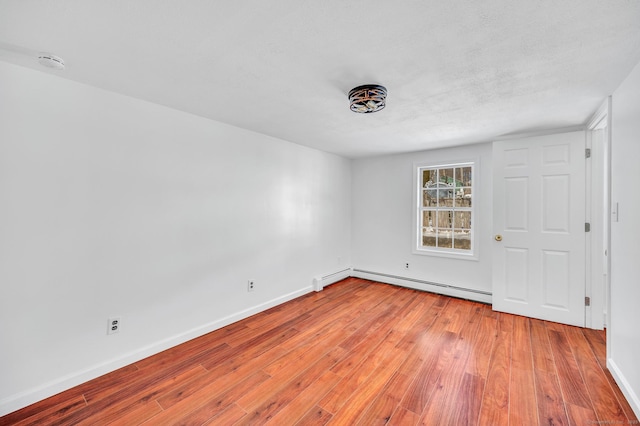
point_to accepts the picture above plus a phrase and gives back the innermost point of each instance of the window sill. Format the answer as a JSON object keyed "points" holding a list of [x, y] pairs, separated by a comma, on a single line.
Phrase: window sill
{"points": [[451, 254]]}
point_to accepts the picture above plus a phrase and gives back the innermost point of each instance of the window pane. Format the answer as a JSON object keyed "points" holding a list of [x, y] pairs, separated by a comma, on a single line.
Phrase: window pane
{"points": [[445, 239], [463, 176], [429, 218], [428, 175], [446, 187], [429, 198], [462, 220], [428, 231], [458, 199], [462, 239], [464, 198], [446, 176], [445, 219], [446, 193]]}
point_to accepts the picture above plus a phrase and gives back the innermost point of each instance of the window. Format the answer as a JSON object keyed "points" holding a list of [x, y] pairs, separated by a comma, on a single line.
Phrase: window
{"points": [[445, 209]]}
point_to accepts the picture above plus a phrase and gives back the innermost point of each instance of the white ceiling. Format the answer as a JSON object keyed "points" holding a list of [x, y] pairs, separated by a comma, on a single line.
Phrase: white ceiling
{"points": [[457, 72]]}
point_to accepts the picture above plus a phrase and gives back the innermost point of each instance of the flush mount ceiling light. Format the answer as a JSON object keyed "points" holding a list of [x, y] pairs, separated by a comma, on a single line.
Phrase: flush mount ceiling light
{"points": [[51, 61], [367, 98]]}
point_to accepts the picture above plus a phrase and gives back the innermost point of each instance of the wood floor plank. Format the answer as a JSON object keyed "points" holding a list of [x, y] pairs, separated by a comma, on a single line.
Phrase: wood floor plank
{"points": [[136, 416], [494, 409], [336, 398], [597, 341], [317, 416], [63, 409], [228, 416], [418, 334], [605, 403], [445, 398], [305, 400], [437, 347], [142, 381], [265, 400], [222, 377], [206, 403], [478, 364], [541, 350], [130, 398], [386, 402], [252, 349], [574, 389], [255, 341], [624, 404], [467, 412], [522, 390], [419, 392], [183, 351], [125, 401], [358, 352], [386, 355], [354, 407], [402, 417], [551, 407], [522, 397]]}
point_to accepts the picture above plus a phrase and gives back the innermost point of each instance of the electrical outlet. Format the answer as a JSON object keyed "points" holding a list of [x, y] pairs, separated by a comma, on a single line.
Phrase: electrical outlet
{"points": [[406, 266], [114, 324], [250, 285]]}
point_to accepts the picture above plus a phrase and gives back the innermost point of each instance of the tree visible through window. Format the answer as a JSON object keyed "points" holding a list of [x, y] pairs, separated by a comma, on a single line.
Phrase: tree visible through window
{"points": [[446, 208]]}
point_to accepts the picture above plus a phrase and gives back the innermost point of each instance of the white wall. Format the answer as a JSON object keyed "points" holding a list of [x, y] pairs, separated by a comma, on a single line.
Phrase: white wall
{"points": [[624, 331], [113, 206], [383, 222]]}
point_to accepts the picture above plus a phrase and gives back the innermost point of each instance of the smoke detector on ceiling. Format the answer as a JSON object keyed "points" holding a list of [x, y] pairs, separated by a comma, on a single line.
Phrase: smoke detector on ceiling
{"points": [[51, 61]]}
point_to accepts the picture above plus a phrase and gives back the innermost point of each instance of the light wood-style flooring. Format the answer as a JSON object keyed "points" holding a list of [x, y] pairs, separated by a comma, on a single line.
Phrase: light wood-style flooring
{"points": [[359, 352]]}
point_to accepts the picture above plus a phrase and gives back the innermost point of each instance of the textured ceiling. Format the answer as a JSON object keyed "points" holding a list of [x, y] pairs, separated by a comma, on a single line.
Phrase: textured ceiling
{"points": [[457, 72]]}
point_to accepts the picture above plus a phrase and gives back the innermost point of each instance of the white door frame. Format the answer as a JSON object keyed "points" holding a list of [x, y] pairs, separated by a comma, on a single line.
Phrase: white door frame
{"points": [[598, 180]]}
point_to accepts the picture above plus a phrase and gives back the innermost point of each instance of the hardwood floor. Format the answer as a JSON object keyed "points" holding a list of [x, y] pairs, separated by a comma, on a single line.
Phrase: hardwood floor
{"points": [[359, 352]]}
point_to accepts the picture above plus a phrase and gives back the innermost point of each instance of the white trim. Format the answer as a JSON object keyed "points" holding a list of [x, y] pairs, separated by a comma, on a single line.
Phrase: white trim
{"points": [[632, 398], [23, 399], [601, 113], [418, 284], [417, 209], [590, 241], [598, 213]]}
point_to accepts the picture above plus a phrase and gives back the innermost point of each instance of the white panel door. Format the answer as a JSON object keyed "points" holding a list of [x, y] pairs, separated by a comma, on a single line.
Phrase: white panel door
{"points": [[539, 227]]}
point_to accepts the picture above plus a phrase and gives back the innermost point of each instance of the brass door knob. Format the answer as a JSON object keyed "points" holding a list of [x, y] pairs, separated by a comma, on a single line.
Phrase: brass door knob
{"points": [[498, 237]]}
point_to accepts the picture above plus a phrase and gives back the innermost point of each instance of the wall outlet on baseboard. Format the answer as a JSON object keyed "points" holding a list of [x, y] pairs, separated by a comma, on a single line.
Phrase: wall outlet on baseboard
{"points": [[406, 265], [251, 285], [114, 324]]}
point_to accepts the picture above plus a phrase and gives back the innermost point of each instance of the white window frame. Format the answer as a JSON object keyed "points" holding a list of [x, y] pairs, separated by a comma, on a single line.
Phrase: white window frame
{"points": [[418, 248]]}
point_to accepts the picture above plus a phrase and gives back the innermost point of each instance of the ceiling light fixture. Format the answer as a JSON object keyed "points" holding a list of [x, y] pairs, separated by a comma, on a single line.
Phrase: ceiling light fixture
{"points": [[367, 98]]}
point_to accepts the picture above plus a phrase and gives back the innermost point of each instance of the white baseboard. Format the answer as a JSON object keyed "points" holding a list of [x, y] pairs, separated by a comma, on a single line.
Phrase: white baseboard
{"points": [[632, 398], [321, 282], [448, 290], [23, 399]]}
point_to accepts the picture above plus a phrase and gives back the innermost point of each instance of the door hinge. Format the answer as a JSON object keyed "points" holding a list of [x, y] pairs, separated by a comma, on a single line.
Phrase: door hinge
{"points": [[587, 227], [587, 301], [587, 153]]}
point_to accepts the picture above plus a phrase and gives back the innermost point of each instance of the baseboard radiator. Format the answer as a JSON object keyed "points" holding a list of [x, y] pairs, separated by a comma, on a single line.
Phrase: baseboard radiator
{"points": [[321, 282], [417, 284]]}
